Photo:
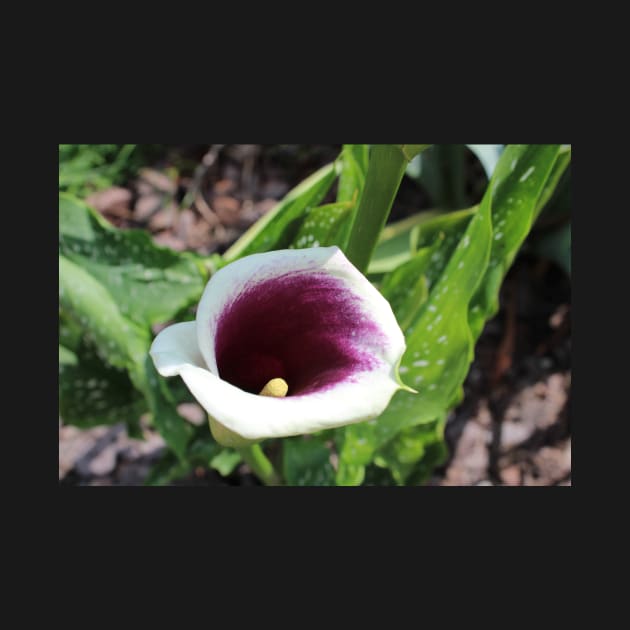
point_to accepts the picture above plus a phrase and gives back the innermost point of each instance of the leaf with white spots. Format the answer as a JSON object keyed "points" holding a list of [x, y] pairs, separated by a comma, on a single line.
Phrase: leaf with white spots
{"points": [[463, 275], [329, 224], [306, 462], [120, 343], [162, 405], [407, 287], [322, 226], [439, 345], [450, 226], [521, 176], [149, 284], [93, 393], [89, 305], [70, 333]]}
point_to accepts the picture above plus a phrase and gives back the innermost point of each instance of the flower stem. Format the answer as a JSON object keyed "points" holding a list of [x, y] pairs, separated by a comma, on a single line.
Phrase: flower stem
{"points": [[256, 459], [385, 171]]}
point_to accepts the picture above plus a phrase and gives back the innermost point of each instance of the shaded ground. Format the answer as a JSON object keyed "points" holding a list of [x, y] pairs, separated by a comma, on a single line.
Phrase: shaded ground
{"points": [[513, 427]]}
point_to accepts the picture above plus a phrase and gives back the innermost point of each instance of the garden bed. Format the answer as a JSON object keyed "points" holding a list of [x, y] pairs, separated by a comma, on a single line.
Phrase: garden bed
{"points": [[513, 427]]}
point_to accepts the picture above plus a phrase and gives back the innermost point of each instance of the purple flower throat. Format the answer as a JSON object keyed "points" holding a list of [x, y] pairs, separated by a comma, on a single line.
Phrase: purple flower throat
{"points": [[305, 327]]}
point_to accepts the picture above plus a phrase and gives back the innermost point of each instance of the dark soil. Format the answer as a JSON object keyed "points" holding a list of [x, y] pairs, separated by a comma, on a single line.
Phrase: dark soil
{"points": [[513, 427]]}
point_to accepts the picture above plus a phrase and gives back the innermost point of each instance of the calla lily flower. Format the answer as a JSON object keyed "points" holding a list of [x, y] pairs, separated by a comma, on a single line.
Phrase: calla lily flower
{"points": [[305, 317]]}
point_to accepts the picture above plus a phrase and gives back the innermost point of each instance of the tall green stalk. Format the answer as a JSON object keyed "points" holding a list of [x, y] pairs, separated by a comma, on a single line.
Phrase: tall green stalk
{"points": [[385, 171]]}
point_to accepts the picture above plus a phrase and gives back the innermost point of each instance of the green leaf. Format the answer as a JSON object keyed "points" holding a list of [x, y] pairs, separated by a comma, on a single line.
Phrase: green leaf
{"points": [[521, 176], [349, 474], [451, 225], [553, 184], [201, 451], [435, 454], [402, 454], [434, 240], [122, 344], [306, 462], [92, 393], [354, 164], [119, 341], [149, 284], [225, 462], [277, 229], [87, 167], [395, 245], [202, 448], [390, 253], [322, 226], [354, 161], [97, 348], [407, 287], [114, 284], [66, 357], [438, 342], [70, 333], [162, 405]]}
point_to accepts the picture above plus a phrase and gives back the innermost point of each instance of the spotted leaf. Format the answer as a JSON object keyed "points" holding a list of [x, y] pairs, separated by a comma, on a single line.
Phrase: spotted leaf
{"points": [[149, 284], [463, 276]]}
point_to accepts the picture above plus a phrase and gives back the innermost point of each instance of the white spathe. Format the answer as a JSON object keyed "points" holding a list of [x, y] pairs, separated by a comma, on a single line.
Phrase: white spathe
{"points": [[237, 416]]}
